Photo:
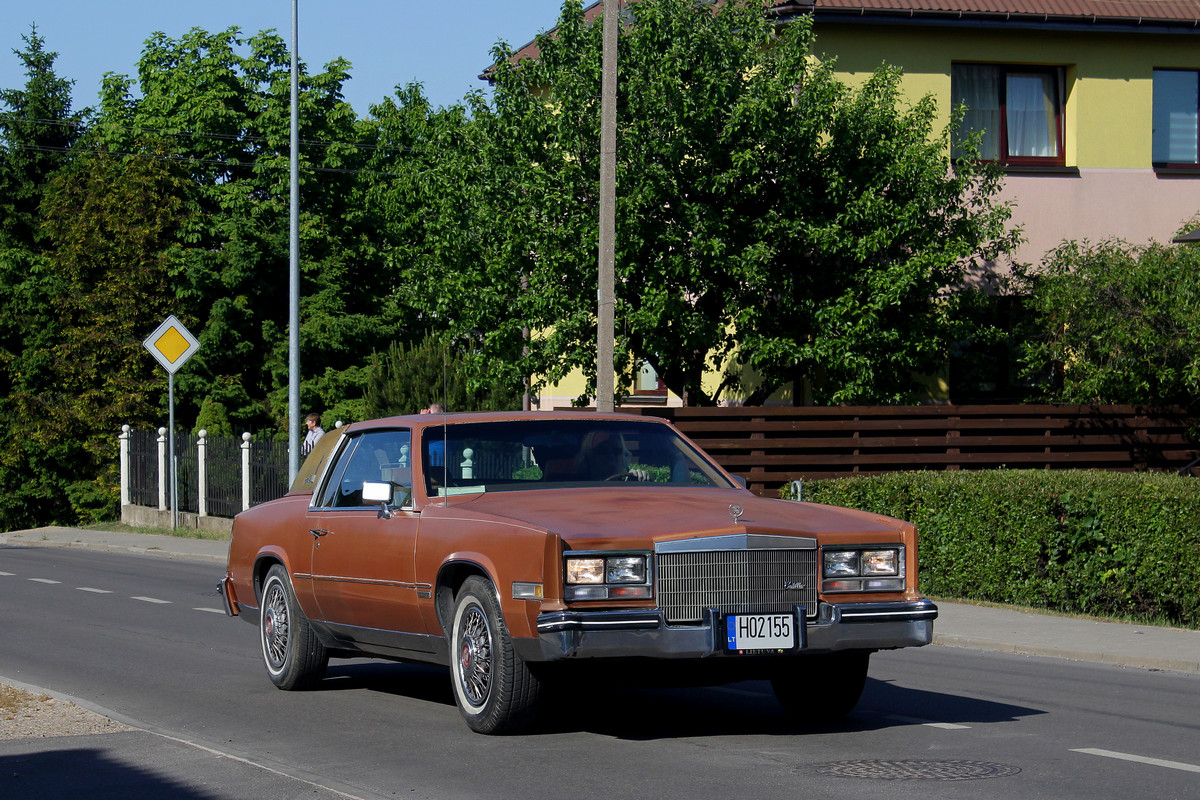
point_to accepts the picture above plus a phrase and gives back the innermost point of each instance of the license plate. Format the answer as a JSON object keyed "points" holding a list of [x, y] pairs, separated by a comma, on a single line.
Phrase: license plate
{"points": [[760, 632]]}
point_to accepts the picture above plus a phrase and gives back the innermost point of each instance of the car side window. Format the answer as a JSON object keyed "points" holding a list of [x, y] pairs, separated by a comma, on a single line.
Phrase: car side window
{"points": [[378, 456]]}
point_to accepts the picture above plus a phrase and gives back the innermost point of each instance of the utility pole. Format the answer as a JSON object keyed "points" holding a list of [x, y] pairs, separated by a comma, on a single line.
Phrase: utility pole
{"points": [[294, 265], [608, 198]]}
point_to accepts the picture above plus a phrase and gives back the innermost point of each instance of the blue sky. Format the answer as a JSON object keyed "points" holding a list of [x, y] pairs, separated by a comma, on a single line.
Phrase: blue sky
{"points": [[444, 44]]}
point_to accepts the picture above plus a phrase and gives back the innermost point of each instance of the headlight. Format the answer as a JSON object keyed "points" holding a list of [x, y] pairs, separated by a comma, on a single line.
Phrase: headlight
{"points": [[878, 562], [626, 569], [873, 569], [585, 570], [841, 562], [619, 577]]}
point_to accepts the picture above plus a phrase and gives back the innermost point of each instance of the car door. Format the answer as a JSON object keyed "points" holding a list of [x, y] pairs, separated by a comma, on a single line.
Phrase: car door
{"points": [[362, 564]]}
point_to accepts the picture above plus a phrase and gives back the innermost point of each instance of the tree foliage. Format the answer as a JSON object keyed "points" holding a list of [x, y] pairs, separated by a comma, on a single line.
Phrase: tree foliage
{"points": [[172, 198], [408, 378], [766, 213], [221, 103], [1116, 323], [37, 127]]}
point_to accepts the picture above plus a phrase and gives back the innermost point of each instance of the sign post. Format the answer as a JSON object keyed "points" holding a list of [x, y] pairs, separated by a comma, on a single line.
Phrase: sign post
{"points": [[172, 344]]}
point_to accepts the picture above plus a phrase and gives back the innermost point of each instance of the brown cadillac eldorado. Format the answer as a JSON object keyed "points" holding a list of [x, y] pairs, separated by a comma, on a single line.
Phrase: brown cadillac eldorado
{"points": [[516, 547]]}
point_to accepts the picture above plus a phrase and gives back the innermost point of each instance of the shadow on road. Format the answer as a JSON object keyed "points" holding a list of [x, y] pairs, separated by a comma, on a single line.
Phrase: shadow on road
{"points": [[417, 681], [135, 765], [625, 710]]}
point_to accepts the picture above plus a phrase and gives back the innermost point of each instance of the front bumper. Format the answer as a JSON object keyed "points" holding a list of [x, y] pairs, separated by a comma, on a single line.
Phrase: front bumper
{"points": [[644, 634]]}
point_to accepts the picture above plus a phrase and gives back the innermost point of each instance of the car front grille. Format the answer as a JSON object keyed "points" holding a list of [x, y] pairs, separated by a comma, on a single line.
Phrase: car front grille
{"points": [[735, 582]]}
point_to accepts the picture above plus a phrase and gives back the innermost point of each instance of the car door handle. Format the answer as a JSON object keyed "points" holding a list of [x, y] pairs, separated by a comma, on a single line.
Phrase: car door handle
{"points": [[317, 533]]}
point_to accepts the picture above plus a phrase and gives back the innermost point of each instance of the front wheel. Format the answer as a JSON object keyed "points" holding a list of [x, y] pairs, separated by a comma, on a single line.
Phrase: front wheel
{"points": [[493, 686], [294, 658], [821, 689]]}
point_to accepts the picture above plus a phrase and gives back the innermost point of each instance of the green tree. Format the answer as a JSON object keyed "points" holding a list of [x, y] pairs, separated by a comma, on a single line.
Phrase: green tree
{"points": [[221, 103], [765, 210], [443, 212], [1115, 323], [111, 223], [37, 129], [406, 379]]}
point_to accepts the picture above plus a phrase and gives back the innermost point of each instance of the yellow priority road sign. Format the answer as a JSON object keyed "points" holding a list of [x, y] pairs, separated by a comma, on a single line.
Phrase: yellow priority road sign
{"points": [[171, 344]]}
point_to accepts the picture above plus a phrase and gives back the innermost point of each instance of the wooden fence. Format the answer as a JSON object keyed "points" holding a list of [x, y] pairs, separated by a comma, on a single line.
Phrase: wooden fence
{"points": [[770, 446]]}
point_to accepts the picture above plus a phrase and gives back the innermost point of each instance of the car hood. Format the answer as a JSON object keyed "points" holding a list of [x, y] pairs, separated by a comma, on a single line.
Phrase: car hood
{"points": [[640, 516]]}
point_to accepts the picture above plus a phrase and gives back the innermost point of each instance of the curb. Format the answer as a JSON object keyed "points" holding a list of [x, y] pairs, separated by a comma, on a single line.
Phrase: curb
{"points": [[1146, 662]]}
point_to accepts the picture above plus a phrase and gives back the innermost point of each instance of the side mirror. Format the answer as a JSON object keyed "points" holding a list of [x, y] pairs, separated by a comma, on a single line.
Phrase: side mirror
{"points": [[379, 492], [740, 481]]}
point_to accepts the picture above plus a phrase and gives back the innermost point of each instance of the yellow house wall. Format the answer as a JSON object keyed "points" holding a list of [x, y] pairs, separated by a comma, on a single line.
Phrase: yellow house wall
{"points": [[1109, 76]]}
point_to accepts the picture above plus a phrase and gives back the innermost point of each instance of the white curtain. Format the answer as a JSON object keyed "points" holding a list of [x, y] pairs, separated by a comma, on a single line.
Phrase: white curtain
{"points": [[1031, 118], [977, 86]]}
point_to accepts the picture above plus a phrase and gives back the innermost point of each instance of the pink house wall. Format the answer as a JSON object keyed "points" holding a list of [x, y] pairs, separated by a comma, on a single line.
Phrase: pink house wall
{"points": [[1131, 204]]}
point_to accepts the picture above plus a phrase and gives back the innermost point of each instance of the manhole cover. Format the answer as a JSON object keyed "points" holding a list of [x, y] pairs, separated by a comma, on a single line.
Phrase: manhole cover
{"points": [[915, 770]]}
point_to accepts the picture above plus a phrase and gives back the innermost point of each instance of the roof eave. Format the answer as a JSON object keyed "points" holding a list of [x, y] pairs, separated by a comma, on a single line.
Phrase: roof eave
{"points": [[1008, 21]]}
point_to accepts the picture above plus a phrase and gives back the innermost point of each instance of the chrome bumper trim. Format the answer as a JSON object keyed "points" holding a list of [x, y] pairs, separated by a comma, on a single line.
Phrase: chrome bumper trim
{"points": [[644, 634], [598, 620]]}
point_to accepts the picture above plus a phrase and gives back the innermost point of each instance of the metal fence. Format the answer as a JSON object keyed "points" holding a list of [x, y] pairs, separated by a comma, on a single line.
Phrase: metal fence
{"points": [[217, 476], [144, 467], [268, 470], [224, 476]]}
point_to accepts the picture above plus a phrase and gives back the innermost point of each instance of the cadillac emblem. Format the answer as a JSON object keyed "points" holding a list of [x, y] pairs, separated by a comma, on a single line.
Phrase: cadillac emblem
{"points": [[736, 512]]}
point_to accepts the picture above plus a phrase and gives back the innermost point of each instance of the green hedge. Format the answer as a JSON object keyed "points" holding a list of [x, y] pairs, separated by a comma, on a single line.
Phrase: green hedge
{"points": [[1119, 544]]}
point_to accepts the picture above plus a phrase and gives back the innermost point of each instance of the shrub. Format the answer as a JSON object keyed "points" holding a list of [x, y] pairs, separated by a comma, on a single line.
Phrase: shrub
{"points": [[1119, 544]]}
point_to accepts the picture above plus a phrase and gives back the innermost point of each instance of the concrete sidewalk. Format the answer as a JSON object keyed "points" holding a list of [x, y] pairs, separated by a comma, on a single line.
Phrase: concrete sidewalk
{"points": [[958, 625]]}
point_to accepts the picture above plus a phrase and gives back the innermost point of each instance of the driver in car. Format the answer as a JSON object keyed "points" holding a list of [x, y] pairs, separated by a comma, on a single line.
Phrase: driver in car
{"points": [[604, 456]]}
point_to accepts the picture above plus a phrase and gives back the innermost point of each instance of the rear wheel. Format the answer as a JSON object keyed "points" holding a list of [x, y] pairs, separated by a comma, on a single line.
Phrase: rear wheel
{"points": [[821, 689], [294, 658], [493, 686]]}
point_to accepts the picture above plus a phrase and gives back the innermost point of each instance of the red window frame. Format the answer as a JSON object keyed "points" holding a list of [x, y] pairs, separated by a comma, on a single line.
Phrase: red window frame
{"points": [[1058, 86]]}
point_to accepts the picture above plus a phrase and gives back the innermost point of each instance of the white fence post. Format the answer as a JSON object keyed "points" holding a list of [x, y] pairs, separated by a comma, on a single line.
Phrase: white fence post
{"points": [[162, 469], [245, 471], [202, 471], [125, 476]]}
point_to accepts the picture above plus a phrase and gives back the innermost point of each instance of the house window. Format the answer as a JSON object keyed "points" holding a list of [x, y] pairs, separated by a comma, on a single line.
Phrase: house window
{"points": [[1176, 115], [1017, 110], [647, 386]]}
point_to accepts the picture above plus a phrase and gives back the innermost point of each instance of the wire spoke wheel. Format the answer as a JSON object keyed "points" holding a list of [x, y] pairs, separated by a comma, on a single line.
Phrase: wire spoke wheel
{"points": [[493, 687], [475, 657], [294, 657], [275, 627]]}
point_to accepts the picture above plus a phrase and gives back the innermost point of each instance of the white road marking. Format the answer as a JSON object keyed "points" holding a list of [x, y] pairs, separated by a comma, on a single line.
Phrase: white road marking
{"points": [[210, 610], [946, 726], [93, 591], [1155, 762], [152, 600], [8, 574], [44, 580]]}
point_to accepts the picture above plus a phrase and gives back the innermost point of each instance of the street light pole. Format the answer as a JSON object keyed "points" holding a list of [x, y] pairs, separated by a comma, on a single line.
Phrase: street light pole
{"points": [[605, 381], [294, 264]]}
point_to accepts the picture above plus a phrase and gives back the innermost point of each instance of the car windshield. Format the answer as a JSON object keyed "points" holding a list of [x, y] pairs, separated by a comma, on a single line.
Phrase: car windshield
{"points": [[555, 453]]}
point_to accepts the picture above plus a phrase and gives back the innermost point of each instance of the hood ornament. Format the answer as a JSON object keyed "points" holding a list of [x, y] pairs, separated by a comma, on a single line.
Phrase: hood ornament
{"points": [[736, 512]]}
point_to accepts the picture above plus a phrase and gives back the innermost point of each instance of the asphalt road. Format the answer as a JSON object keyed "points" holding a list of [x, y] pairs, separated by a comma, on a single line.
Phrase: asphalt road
{"points": [[144, 639]]}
